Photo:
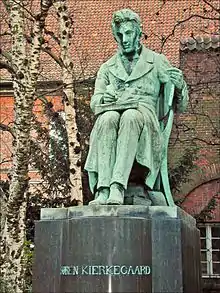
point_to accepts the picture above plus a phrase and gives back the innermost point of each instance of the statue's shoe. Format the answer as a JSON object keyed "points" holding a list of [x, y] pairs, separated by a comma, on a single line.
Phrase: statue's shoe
{"points": [[116, 196], [101, 198]]}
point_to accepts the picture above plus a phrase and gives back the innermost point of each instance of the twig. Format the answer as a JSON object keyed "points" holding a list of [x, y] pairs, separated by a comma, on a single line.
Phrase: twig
{"points": [[5, 127]]}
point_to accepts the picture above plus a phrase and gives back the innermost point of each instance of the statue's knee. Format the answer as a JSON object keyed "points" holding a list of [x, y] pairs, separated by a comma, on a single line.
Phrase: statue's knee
{"points": [[109, 119], [131, 115]]}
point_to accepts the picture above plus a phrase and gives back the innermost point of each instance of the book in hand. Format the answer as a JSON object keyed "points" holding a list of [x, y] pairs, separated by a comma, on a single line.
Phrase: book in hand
{"points": [[116, 106]]}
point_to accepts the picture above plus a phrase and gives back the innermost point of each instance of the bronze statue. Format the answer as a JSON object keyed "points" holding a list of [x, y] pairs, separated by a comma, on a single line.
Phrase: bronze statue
{"points": [[127, 98]]}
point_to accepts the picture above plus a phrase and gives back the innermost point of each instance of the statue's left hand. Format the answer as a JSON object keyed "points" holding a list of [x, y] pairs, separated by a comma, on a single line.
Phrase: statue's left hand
{"points": [[176, 76]]}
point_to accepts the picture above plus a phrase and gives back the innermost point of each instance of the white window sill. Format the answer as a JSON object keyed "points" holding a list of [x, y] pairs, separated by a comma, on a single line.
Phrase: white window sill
{"points": [[211, 276]]}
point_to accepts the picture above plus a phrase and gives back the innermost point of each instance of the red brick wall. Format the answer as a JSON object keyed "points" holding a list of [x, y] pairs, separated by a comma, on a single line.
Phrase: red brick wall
{"points": [[199, 128], [6, 118], [200, 199]]}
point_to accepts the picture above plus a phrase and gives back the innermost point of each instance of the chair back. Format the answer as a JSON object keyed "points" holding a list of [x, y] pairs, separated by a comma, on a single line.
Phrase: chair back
{"points": [[165, 112]]}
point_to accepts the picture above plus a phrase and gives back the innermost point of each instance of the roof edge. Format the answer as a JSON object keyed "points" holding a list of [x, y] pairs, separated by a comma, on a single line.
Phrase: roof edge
{"points": [[200, 43]]}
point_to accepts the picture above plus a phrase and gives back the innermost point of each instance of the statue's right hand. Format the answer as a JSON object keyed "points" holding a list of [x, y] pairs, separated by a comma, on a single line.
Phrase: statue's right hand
{"points": [[109, 95], [107, 98]]}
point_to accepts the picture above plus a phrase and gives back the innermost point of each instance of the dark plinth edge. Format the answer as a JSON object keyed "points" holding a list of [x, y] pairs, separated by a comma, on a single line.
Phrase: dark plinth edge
{"points": [[136, 211], [54, 213]]}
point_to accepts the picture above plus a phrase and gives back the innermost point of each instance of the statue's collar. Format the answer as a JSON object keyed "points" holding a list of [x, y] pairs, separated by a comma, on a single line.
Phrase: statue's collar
{"points": [[143, 65]]}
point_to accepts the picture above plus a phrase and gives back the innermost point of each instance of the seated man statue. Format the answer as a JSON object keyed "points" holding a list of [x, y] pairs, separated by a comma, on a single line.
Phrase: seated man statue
{"points": [[127, 130]]}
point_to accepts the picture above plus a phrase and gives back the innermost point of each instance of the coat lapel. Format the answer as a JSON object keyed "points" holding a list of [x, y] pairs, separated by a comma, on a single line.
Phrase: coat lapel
{"points": [[117, 68], [144, 64]]}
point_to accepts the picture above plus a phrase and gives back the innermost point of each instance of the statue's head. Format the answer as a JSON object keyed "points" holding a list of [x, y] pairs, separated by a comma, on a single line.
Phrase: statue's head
{"points": [[126, 28]]}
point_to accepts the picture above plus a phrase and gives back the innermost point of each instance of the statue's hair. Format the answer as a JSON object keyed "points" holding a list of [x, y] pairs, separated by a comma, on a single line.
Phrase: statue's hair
{"points": [[125, 15]]}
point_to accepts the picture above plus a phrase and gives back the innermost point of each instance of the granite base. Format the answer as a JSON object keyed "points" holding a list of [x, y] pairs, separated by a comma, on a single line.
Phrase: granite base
{"points": [[116, 249]]}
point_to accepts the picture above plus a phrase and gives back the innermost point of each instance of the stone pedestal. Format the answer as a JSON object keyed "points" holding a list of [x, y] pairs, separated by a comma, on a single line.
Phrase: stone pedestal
{"points": [[116, 249]]}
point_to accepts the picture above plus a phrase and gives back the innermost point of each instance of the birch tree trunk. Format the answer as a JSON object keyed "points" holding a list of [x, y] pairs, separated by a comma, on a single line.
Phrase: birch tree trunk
{"points": [[74, 148], [24, 86]]}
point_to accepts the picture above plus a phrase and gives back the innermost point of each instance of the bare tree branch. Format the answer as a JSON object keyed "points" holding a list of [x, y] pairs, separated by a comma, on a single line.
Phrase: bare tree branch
{"points": [[52, 55], [5, 65], [179, 22], [5, 54], [5, 34], [206, 141], [211, 5], [5, 127], [48, 50], [4, 160], [53, 36], [24, 8]]}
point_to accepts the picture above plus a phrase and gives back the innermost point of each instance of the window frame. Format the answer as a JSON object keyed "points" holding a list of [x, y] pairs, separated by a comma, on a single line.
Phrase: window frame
{"points": [[208, 249]]}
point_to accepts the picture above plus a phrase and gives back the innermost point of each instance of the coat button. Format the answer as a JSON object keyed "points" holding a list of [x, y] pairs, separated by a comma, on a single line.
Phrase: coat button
{"points": [[126, 85]]}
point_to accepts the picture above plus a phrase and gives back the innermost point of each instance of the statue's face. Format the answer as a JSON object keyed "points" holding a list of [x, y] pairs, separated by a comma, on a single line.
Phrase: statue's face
{"points": [[127, 37]]}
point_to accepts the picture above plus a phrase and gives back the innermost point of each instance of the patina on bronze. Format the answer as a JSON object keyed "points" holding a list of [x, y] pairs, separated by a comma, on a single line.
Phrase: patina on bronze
{"points": [[133, 91]]}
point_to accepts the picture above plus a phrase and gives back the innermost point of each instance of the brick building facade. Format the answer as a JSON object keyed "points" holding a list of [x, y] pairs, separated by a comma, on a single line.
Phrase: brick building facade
{"points": [[199, 59], [198, 128]]}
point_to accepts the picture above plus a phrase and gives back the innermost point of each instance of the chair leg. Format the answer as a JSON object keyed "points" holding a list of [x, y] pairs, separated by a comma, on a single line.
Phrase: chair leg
{"points": [[165, 182]]}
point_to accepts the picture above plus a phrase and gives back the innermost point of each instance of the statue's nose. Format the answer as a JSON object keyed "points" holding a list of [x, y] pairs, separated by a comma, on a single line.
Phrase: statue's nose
{"points": [[125, 40]]}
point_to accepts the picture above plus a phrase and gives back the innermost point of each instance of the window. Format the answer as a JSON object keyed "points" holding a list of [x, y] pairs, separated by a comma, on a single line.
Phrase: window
{"points": [[210, 249]]}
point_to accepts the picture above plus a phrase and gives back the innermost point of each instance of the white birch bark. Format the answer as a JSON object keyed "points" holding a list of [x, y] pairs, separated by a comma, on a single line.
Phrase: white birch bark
{"points": [[24, 85], [75, 177]]}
